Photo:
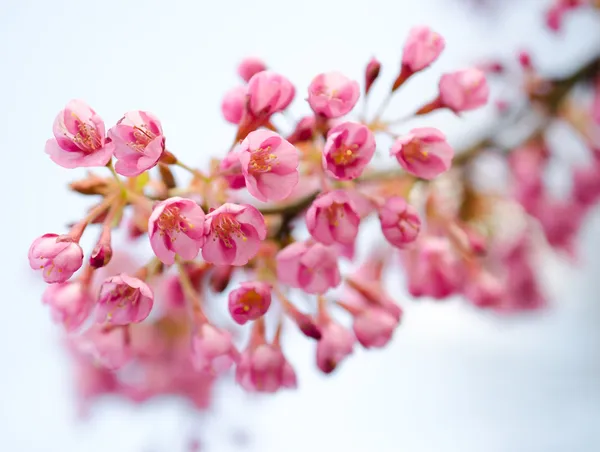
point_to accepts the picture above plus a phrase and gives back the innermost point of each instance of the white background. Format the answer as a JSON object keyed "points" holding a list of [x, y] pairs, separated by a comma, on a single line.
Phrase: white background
{"points": [[453, 380]]}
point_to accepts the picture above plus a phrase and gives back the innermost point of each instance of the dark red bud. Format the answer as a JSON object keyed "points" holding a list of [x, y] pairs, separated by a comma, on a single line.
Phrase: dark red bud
{"points": [[101, 255], [308, 326], [371, 73], [220, 277], [304, 130]]}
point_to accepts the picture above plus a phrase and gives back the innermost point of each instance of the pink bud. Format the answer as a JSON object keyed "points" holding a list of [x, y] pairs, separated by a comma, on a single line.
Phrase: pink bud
{"points": [[348, 150], [306, 323], [101, 255], [264, 369], [250, 301], [335, 345], [556, 13], [523, 289], [269, 93], [371, 292], [213, 350], [527, 165], [311, 267], [124, 299], [304, 131], [269, 165], [400, 222], [231, 170], [485, 290], [233, 104], [422, 48], [333, 94], [79, 138], [560, 221], [586, 184], [57, 260], [233, 234], [492, 67], [371, 73], [374, 327], [525, 60], [176, 227], [220, 277], [332, 218], [139, 142], [249, 67], [70, 304], [464, 90], [423, 152], [432, 269]]}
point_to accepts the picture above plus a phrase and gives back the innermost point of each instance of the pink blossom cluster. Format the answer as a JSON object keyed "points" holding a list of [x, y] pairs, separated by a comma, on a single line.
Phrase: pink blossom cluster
{"points": [[269, 223]]}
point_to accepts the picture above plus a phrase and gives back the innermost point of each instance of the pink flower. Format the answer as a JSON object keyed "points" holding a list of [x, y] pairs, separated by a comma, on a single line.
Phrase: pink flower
{"points": [[332, 218], [250, 301], [139, 142], [176, 227], [560, 221], [348, 150], [57, 260], [432, 269], [234, 233], [79, 138], [374, 327], [485, 290], [213, 350], [423, 46], [264, 369], [124, 299], [233, 104], [400, 222], [311, 267], [269, 93], [336, 343], [249, 67], [586, 184], [269, 165], [108, 346], [464, 90], [333, 94], [70, 304], [424, 152], [527, 165], [371, 73], [231, 170]]}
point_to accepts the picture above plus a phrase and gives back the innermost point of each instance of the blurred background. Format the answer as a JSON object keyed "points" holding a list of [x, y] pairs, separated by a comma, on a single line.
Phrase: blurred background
{"points": [[453, 379]]}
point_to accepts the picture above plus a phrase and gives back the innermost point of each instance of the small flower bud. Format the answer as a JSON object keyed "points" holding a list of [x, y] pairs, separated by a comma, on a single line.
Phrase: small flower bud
{"points": [[371, 73], [101, 255]]}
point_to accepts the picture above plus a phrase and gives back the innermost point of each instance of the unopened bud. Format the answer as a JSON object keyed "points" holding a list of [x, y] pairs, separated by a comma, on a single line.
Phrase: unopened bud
{"points": [[304, 130], [167, 158], [92, 185], [101, 255], [371, 73], [525, 60], [220, 277]]}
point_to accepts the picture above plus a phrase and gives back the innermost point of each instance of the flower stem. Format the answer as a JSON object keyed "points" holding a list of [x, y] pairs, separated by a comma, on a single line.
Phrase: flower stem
{"points": [[190, 292]]}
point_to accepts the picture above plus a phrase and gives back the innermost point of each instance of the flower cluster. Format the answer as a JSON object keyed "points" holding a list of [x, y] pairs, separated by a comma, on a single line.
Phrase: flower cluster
{"points": [[236, 228]]}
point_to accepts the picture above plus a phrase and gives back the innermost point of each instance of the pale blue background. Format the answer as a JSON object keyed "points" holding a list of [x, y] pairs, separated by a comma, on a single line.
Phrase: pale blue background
{"points": [[453, 380]]}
